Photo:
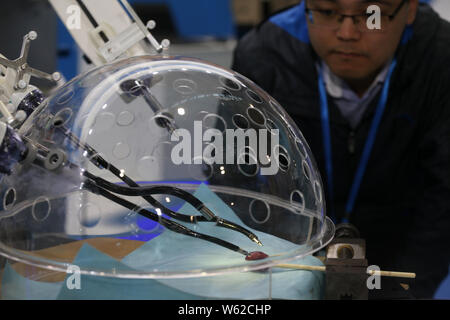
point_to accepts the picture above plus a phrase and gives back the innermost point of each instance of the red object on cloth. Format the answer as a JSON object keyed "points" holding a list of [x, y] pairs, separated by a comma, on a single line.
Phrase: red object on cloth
{"points": [[256, 255]]}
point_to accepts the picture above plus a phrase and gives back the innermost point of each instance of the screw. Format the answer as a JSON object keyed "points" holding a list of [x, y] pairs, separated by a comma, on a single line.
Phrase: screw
{"points": [[165, 43], [22, 84], [11, 108], [32, 35], [56, 76], [151, 24], [21, 115]]}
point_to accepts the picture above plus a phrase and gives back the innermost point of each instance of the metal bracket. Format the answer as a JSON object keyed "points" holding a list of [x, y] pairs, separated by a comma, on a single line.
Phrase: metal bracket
{"points": [[134, 33], [22, 69]]}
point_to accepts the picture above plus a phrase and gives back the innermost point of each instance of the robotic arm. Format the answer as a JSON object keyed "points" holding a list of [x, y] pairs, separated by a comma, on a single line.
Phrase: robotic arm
{"points": [[107, 30]]}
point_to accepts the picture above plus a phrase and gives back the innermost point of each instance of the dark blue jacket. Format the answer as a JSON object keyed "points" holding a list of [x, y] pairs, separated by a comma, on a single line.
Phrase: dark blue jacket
{"points": [[403, 206]]}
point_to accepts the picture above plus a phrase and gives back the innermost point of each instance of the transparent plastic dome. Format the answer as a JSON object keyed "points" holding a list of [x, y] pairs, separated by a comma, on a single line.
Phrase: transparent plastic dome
{"points": [[151, 152]]}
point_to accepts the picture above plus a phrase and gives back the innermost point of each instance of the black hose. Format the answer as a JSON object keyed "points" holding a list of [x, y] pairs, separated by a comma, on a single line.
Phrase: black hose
{"points": [[169, 224]]}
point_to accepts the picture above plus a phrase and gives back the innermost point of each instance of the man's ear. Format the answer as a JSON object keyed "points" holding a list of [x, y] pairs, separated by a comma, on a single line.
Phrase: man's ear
{"points": [[412, 11]]}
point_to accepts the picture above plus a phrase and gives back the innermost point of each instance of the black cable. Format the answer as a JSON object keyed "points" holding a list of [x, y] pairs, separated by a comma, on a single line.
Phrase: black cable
{"points": [[101, 163], [98, 161], [140, 190], [186, 196], [169, 224]]}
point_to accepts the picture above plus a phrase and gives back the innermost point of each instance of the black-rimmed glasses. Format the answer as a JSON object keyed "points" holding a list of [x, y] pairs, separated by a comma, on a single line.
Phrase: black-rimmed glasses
{"points": [[364, 22]]}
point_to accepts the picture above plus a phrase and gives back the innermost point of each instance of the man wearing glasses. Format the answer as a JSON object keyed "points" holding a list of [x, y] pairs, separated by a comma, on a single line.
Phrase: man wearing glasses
{"points": [[368, 84]]}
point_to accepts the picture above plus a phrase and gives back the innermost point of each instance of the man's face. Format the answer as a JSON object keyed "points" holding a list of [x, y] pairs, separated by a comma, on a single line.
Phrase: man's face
{"points": [[353, 54]]}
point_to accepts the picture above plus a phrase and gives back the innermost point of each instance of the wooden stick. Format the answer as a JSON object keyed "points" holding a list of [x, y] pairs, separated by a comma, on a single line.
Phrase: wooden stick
{"points": [[371, 272], [392, 274], [301, 267]]}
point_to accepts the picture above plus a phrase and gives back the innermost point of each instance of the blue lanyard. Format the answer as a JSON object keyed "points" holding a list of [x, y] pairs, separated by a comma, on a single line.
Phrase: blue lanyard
{"points": [[367, 148]]}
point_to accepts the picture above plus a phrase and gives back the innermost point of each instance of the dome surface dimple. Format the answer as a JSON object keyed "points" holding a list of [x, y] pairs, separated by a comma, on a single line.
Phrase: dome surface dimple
{"points": [[181, 124]]}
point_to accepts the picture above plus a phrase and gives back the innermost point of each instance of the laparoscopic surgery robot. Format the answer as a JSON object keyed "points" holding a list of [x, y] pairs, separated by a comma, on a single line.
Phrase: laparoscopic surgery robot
{"points": [[158, 177]]}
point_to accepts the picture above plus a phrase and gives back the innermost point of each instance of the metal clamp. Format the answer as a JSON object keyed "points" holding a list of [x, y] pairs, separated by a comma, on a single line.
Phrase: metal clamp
{"points": [[21, 67]]}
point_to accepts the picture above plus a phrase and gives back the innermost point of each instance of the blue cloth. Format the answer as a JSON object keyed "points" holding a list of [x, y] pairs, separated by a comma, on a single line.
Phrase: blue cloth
{"points": [[196, 254], [17, 287], [172, 251], [93, 287]]}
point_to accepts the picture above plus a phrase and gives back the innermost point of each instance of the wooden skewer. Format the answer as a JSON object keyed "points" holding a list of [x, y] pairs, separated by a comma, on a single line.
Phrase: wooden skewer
{"points": [[371, 272], [392, 274], [301, 267]]}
